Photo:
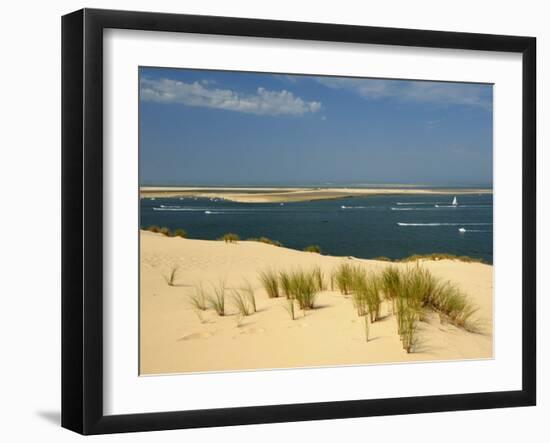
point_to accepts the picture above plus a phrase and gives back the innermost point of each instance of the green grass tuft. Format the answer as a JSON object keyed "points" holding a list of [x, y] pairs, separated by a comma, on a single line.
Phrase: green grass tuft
{"points": [[366, 289], [171, 277], [442, 256], [165, 231], [198, 300], [408, 314], [313, 248], [343, 278], [417, 290], [390, 282], [179, 233], [230, 237], [319, 278], [265, 240], [285, 282], [270, 282], [217, 300], [303, 287], [249, 294], [241, 303], [450, 301]]}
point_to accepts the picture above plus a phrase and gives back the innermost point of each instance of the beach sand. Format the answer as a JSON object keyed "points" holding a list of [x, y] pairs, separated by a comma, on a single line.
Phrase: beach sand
{"points": [[174, 340], [281, 195]]}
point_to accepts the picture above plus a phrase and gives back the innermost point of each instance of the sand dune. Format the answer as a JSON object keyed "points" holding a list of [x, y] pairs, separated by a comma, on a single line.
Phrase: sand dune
{"points": [[174, 338], [276, 195]]}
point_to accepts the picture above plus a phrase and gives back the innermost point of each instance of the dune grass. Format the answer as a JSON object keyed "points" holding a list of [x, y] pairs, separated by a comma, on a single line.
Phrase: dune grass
{"points": [[319, 278], [366, 289], [410, 292], [171, 277], [381, 258], [270, 282], [441, 256], [289, 307], [407, 316], [417, 285], [451, 302], [241, 302], [358, 289], [153, 228], [301, 286], [198, 300], [373, 299], [249, 294], [285, 284], [414, 287], [303, 289], [265, 240], [165, 231], [343, 278], [414, 290], [217, 300], [417, 290], [305, 292], [230, 237], [313, 248], [390, 281], [179, 233]]}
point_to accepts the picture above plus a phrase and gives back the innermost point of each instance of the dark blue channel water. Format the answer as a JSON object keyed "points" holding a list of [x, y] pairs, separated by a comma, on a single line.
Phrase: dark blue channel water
{"points": [[392, 226]]}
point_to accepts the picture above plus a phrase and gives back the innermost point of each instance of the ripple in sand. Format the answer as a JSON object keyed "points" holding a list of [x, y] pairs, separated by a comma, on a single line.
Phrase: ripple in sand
{"points": [[196, 335]]}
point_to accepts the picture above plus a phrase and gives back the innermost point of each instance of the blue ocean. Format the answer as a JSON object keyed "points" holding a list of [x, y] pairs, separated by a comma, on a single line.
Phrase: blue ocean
{"points": [[393, 226]]}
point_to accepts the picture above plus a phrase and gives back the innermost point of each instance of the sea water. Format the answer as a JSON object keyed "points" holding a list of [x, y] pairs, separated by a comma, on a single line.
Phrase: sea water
{"points": [[393, 226]]}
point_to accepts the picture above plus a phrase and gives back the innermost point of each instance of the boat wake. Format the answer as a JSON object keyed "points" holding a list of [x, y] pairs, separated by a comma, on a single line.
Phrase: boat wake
{"points": [[178, 208], [436, 207], [412, 209], [362, 207], [443, 224]]}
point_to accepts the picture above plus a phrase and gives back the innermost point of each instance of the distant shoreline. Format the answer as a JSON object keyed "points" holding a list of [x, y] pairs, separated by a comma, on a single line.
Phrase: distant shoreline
{"points": [[297, 194]]}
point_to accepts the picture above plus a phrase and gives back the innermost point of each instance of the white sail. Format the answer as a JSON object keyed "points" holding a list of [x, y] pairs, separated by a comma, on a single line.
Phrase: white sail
{"points": [[455, 203]]}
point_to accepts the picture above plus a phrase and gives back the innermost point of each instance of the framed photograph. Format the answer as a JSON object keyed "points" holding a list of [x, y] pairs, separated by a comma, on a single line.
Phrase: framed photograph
{"points": [[269, 221]]}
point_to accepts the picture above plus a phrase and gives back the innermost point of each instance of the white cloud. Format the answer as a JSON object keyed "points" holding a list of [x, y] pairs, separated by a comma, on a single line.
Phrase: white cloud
{"points": [[262, 102], [444, 93]]}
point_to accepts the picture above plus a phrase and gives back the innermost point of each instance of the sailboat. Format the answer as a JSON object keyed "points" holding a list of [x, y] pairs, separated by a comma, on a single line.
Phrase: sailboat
{"points": [[454, 204]]}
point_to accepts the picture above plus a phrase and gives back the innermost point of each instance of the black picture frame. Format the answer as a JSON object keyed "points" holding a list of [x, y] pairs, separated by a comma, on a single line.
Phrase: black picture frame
{"points": [[82, 218]]}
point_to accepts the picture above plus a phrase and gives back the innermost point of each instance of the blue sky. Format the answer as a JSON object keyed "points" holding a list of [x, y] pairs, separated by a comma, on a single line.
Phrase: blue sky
{"points": [[233, 128]]}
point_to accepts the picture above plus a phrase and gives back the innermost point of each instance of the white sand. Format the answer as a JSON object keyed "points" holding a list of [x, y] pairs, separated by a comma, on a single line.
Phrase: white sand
{"points": [[173, 338]]}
